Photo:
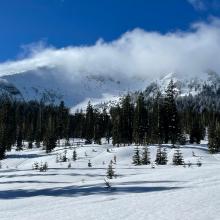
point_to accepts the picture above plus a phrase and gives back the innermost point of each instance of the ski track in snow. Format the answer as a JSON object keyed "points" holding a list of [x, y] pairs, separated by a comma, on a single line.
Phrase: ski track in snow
{"points": [[139, 192]]}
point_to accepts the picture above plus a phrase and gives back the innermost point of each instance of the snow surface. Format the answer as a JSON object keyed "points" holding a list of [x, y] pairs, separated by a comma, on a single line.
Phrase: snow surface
{"points": [[138, 192]]}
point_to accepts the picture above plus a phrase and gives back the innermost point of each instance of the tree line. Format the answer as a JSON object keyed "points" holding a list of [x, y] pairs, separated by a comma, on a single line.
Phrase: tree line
{"points": [[140, 119]]}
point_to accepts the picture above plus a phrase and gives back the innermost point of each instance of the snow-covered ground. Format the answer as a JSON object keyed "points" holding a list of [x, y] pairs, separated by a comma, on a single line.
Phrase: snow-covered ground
{"points": [[138, 193]]}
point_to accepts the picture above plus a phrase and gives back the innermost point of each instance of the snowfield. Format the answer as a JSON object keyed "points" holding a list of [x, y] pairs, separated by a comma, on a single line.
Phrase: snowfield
{"points": [[138, 192]]}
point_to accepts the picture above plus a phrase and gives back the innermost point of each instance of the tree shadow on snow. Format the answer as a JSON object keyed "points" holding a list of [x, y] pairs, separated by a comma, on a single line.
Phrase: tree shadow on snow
{"points": [[24, 156], [76, 191]]}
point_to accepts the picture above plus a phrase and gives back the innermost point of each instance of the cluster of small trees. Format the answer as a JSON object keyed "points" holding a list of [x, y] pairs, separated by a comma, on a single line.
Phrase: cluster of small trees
{"points": [[42, 167], [141, 158], [161, 156]]}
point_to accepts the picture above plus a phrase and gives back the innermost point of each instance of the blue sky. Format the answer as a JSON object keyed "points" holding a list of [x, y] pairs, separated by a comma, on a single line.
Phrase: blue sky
{"points": [[63, 23]]}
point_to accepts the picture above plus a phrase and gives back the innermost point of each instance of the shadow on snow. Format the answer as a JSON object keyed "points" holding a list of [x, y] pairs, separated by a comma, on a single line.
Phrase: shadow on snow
{"points": [[76, 191]]}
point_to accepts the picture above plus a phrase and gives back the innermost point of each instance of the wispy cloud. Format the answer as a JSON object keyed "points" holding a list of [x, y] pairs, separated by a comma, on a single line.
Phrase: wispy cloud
{"points": [[198, 4], [204, 5], [137, 53]]}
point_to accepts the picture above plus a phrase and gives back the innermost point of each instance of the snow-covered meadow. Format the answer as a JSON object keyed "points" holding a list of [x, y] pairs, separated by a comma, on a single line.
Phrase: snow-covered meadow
{"points": [[139, 192]]}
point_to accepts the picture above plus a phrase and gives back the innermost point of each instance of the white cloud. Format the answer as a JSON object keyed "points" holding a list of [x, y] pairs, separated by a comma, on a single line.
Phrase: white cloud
{"points": [[137, 53], [198, 4]]}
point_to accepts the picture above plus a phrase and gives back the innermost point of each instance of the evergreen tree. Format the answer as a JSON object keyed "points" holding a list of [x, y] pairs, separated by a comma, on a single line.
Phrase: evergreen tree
{"points": [[140, 120], [161, 156], [136, 157], [98, 127], [178, 158], [50, 143], [214, 137], [89, 164], [50, 136], [74, 155], [89, 123], [110, 171], [173, 129], [63, 120], [116, 125], [127, 111], [164, 157], [145, 159], [7, 126], [197, 132], [19, 140], [107, 125]]}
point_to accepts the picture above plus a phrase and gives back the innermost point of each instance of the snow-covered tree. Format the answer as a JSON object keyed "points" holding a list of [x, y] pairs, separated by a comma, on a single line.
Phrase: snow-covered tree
{"points": [[161, 156], [136, 157], [74, 155], [178, 158], [110, 171], [145, 158]]}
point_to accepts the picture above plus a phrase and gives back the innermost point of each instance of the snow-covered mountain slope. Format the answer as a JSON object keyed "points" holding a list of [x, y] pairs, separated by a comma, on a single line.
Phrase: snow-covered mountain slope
{"points": [[139, 192], [186, 85], [52, 85], [9, 89]]}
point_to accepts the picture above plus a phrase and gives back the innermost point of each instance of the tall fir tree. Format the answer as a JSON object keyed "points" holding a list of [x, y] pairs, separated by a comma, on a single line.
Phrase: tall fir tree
{"points": [[214, 137], [127, 111], [89, 123], [140, 120], [173, 129], [116, 125]]}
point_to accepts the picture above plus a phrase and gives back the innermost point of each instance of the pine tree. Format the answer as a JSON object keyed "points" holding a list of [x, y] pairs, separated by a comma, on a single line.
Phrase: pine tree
{"points": [[145, 159], [50, 135], [116, 125], [107, 125], [110, 171], [98, 127], [197, 131], [89, 164], [178, 158], [140, 120], [127, 111], [136, 157], [164, 157], [89, 123], [19, 141], [74, 155], [7, 126], [63, 120], [172, 119], [161, 156], [157, 135], [214, 137], [50, 144]]}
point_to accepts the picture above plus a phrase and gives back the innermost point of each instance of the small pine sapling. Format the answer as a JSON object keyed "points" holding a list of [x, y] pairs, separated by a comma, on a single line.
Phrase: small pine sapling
{"points": [[110, 171], [64, 159], [199, 163], [89, 164], [74, 155], [115, 159]]}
